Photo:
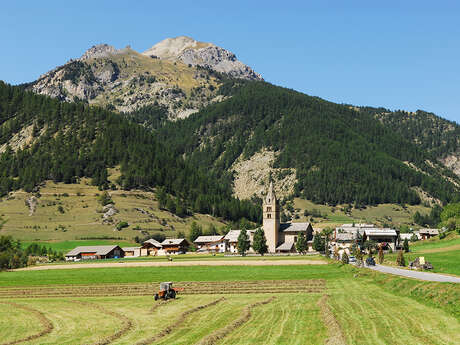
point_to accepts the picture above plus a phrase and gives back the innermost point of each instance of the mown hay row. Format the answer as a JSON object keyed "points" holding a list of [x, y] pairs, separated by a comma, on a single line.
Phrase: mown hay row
{"points": [[335, 334], [46, 323], [178, 322], [127, 323], [271, 286], [219, 334]]}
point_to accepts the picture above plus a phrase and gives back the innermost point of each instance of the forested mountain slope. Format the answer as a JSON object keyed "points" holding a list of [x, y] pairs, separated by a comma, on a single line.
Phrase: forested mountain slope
{"points": [[62, 141], [339, 154], [430, 132]]}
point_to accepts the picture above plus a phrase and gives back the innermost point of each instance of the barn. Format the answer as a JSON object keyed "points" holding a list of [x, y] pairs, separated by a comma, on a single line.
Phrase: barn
{"points": [[94, 252]]}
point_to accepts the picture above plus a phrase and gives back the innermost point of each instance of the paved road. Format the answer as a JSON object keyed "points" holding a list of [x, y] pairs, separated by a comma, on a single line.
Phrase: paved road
{"points": [[434, 277]]}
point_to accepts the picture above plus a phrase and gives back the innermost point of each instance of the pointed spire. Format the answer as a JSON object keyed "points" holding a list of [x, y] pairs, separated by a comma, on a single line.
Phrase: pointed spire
{"points": [[271, 197]]}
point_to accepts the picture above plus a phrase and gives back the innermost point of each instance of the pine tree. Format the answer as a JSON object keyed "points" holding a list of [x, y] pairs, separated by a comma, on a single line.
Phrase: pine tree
{"points": [[195, 231], [301, 245], [260, 242], [406, 245], [318, 243], [243, 242]]}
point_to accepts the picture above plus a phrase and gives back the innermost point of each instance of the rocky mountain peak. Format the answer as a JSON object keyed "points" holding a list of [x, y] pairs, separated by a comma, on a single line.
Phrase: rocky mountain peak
{"points": [[195, 53], [172, 48], [98, 51]]}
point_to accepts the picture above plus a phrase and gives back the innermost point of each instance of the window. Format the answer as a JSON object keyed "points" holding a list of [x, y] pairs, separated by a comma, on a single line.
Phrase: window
{"points": [[269, 209], [269, 215]]}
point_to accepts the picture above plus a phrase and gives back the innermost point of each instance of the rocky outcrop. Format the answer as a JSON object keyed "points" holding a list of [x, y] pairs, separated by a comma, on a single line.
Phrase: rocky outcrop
{"points": [[98, 51], [208, 55]]}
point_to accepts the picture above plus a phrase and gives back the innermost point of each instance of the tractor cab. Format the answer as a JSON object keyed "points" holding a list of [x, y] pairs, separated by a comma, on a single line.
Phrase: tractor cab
{"points": [[166, 291]]}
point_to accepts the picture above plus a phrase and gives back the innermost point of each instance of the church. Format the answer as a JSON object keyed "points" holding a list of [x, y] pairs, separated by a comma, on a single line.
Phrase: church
{"points": [[281, 237]]}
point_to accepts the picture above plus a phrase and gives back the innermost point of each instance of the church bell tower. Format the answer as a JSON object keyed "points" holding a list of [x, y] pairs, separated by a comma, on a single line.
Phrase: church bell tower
{"points": [[271, 219]]}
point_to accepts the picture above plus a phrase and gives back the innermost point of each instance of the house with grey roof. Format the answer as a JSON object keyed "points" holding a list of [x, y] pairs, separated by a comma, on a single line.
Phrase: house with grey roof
{"points": [[94, 252], [132, 252], [210, 244], [175, 246], [231, 240], [151, 247], [428, 233]]}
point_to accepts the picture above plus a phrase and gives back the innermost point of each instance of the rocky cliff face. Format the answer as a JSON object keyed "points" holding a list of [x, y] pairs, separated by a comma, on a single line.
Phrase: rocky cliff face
{"points": [[178, 74], [208, 55]]}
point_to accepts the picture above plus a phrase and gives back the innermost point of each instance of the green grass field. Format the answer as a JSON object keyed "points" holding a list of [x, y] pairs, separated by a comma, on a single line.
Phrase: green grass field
{"points": [[443, 254], [353, 306]]}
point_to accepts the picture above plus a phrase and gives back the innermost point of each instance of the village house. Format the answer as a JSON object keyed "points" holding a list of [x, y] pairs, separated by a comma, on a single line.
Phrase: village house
{"points": [[151, 247], [281, 237], [426, 234], [94, 252], [175, 246], [387, 238], [210, 244], [132, 251], [231, 241], [347, 234]]}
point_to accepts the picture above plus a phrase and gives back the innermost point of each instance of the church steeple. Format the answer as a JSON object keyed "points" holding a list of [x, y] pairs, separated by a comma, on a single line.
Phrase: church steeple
{"points": [[271, 219], [270, 199]]}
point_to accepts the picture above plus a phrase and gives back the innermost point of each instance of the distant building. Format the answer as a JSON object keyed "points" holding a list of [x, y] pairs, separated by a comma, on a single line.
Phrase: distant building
{"points": [[151, 247], [347, 234], [210, 244], [94, 252], [281, 237], [132, 251], [175, 246], [428, 233], [231, 240]]}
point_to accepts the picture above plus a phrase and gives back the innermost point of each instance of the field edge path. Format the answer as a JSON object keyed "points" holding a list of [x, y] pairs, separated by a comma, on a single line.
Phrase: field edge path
{"points": [[177, 263]]}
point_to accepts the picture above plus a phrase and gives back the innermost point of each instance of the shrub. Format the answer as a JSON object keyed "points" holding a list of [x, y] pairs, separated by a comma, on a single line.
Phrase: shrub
{"points": [[345, 259], [400, 261], [60, 209], [381, 255], [122, 225], [105, 199]]}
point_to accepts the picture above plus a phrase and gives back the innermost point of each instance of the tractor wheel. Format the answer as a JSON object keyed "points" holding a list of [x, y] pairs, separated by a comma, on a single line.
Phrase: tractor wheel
{"points": [[172, 294], [156, 297]]}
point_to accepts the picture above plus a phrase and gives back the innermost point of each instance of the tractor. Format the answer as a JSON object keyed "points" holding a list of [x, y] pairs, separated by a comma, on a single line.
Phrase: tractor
{"points": [[166, 291]]}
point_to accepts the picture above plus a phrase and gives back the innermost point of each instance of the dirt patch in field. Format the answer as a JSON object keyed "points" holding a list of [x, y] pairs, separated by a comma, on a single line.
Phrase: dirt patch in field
{"points": [[335, 335], [178, 263], [178, 323], [216, 336], [127, 324], [148, 289], [47, 325]]}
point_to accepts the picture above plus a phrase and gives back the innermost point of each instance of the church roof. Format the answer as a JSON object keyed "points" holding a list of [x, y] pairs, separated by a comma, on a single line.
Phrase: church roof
{"points": [[286, 227], [286, 246]]}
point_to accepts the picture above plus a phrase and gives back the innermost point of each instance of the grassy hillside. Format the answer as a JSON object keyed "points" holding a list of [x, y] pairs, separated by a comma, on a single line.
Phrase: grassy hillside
{"points": [[443, 254], [324, 215], [82, 216]]}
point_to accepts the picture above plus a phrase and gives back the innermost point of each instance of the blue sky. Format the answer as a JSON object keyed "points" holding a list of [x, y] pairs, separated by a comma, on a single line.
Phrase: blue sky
{"points": [[396, 54]]}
